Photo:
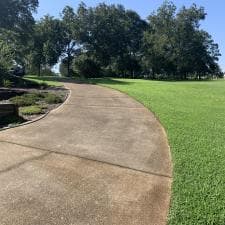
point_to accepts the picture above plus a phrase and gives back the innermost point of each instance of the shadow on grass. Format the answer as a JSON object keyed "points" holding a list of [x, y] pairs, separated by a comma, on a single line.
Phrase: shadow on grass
{"points": [[109, 81], [185, 81], [50, 78]]}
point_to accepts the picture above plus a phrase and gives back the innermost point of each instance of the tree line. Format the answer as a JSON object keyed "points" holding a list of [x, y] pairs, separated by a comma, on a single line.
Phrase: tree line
{"points": [[108, 40]]}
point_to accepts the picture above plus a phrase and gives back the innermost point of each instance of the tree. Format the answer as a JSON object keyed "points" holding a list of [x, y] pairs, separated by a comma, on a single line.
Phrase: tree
{"points": [[115, 41], [196, 52], [87, 66], [158, 42], [17, 15], [174, 45], [16, 22], [102, 31], [6, 54], [69, 38], [46, 44], [6, 59], [128, 62], [111, 34]]}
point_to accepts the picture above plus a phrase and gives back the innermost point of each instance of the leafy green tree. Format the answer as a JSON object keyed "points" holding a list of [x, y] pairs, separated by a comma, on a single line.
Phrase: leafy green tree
{"points": [[47, 46], [6, 54], [196, 53], [6, 59], [87, 66], [63, 68], [109, 40], [175, 47], [17, 15], [104, 29], [16, 22], [128, 62], [111, 34], [69, 38], [159, 40]]}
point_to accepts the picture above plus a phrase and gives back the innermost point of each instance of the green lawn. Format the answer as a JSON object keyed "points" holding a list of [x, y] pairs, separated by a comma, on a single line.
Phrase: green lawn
{"points": [[193, 114], [51, 81]]}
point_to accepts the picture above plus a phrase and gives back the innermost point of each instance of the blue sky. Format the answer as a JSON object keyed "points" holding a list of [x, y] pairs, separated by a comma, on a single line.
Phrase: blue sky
{"points": [[213, 23]]}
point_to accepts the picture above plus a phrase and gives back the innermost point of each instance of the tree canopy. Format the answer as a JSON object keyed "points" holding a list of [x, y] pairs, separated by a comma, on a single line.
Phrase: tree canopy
{"points": [[17, 15], [108, 40]]}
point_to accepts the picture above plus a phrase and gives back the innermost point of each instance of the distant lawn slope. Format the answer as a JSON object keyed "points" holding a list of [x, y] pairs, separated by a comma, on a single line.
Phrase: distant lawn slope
{"points": [[193, 114], [49, 80]]}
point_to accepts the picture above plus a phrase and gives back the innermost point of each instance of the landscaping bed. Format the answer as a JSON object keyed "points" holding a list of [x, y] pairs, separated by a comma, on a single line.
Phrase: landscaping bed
{"points": [[32, 103]]}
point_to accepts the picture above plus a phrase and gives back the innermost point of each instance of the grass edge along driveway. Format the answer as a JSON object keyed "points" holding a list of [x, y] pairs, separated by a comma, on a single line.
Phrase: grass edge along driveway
{"points": [[193, 114]]}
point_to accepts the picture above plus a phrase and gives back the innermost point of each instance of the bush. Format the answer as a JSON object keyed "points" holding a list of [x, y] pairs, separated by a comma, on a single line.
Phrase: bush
{"points": [[87, 67], [33, 99], [63, 69], [52, 98], [30, 110], [7, 83], [3, 74], [47, 72], [26, 99]]}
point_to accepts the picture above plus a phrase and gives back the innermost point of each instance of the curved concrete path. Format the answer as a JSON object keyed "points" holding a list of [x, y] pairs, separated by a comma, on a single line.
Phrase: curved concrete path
{"points": [[101, 158]]}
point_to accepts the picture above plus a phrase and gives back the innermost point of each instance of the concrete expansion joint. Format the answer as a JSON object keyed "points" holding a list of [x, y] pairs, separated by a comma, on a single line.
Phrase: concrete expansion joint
{"points": [[99, 97], [49, 151], [101, 106]]}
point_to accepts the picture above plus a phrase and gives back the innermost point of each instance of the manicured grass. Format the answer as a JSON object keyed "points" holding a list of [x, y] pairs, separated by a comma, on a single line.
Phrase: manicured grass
{"points": [[51, 81], [193, 114]]}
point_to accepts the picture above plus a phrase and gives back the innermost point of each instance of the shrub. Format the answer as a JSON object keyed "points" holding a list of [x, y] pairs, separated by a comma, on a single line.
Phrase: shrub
{"points": [[7, 83], [26, 99], [30, 110], [47, 72], [51, 98], [64, 70], [3, 74], [86, 66], [33, 99], [43, 85]]}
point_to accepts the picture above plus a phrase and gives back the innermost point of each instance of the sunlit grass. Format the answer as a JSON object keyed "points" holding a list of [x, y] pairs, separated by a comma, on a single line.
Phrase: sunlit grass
{"points": [[49, 80], [193, 114]]}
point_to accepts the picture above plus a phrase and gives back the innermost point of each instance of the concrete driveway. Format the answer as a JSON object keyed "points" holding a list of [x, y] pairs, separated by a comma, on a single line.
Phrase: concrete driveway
{"points": [[101, 158]]}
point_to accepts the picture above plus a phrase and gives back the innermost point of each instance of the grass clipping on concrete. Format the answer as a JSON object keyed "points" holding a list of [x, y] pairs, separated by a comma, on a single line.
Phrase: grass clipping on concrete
{"points": [[193, 114]]}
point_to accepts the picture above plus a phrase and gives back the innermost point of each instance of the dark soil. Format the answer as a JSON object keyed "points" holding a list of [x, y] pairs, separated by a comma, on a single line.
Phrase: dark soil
{"points": [[6, 93]]}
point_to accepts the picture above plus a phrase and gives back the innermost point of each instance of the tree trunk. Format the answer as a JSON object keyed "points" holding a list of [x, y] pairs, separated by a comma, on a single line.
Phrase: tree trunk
{"points": [[68, 66], [39, 69], [153, 73]]}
